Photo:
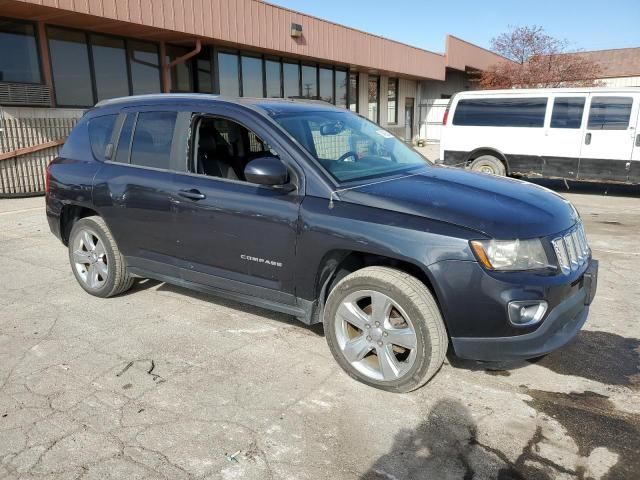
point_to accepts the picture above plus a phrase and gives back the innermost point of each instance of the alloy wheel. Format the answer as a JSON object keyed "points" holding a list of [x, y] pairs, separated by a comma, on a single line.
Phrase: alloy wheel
{"points": [[90, 259], [375, 335]]}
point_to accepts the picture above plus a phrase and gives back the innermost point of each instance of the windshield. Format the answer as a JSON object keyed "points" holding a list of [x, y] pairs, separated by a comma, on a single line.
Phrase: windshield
{"points": [[350, 147]]}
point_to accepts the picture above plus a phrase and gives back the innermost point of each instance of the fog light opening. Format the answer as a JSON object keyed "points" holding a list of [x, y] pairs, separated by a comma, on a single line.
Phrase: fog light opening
{"points": [[523, 313]]}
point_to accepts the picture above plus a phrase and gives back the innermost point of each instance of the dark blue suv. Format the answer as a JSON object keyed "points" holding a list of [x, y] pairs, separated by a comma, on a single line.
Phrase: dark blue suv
{"points": [[316, 212]]}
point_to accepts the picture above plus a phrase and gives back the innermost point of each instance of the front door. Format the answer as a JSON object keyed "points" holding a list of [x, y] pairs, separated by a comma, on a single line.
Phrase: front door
{"points": [[234, 235], [609, 137], [408, 119]]}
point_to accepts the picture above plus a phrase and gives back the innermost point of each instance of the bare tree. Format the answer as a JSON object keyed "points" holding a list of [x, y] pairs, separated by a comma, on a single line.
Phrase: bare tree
{"points": [[535, 59]]}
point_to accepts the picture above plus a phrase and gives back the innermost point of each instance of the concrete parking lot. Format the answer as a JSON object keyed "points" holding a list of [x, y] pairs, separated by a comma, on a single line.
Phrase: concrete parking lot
{"points": [[166, 383]]}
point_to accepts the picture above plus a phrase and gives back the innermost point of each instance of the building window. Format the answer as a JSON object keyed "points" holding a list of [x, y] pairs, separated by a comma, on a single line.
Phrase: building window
{"points": [[252, 77], [326, 85], [341, 88], [392, 101], [180, 73], [291, 80], [152, 139], [374, 99], [19, 61], [109, 66], [145, 67], [273, 77], [204, 77], [70, 65], [228, 74], [610, 113], [354, 92], [309, 82]]}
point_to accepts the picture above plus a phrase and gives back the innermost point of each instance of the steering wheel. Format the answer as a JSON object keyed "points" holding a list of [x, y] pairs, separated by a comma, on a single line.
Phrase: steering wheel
{"points": [[350, 153]]}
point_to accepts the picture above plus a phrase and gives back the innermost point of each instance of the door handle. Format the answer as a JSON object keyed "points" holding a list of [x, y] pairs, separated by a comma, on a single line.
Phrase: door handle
{"points": [[192, 194], [587, 139]]}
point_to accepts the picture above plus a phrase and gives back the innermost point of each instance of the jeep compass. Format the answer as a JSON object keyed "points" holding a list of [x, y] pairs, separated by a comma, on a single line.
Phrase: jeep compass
{"points": [[311, 210]]}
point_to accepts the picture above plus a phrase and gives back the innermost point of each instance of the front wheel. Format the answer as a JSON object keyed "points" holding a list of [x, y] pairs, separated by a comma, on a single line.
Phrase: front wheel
{"points": [[95, 259], [384, 329]]}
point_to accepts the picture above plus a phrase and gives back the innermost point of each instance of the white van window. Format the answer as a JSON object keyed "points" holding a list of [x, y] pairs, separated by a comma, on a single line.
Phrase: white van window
{"points": [[567, 112], [610, 113], [501, 112]]}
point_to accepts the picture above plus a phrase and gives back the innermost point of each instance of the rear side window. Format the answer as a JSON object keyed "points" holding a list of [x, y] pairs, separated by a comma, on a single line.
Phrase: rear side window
{"points": [[100, 132], [610, 113], [501, 112], [567, 112], [151, 145]]}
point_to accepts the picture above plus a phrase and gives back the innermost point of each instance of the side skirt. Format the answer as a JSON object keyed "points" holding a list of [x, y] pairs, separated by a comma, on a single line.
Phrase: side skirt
{"points": [[303, 311]]}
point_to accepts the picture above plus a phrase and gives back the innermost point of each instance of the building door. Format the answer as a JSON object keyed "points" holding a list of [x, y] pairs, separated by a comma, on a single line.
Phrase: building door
{"points": [[408, 119], [609, 137]]}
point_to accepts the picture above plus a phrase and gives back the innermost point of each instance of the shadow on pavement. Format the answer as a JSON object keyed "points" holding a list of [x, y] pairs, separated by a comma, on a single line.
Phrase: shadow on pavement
{"points": [[445, 445]]}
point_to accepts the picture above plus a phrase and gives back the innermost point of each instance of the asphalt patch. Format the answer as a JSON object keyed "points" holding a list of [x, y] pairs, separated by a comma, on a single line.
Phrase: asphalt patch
{"points": [[592, 421], [600, 356]]}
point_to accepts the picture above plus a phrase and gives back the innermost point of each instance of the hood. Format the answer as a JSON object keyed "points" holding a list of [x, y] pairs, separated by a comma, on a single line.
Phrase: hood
{"points": [[499, 207]]}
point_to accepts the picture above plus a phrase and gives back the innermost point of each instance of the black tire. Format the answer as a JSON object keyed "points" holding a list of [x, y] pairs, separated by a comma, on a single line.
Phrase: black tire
{"points": [[488, 164], [117, 279], [412, 296]]}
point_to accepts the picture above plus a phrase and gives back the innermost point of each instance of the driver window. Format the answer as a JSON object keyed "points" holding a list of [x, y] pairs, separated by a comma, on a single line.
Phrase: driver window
{"points": [[222, 148]]}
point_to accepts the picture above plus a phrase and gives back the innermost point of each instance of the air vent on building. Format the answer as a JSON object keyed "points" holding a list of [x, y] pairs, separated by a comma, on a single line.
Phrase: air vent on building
{"points": [[24, 94]]}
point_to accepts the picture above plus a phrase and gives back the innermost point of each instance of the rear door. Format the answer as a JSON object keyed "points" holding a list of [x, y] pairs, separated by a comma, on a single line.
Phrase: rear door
{"points": [[609, 137], [133, 190], [563, 135]]}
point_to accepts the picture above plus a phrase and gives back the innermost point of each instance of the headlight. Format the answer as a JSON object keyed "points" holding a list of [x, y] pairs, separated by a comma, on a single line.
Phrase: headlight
{"points": [[511, 255]]}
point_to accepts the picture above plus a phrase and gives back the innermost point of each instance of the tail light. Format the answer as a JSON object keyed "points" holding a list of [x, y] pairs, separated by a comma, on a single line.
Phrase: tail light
{"points": [[446, 116]]}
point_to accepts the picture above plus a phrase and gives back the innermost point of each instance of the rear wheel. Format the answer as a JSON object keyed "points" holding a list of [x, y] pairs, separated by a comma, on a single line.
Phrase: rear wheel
{"points": [[384, 329], [488, 164], [95, 259]]}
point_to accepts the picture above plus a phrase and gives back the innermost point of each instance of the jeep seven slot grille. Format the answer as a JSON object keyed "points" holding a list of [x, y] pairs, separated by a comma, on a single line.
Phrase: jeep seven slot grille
{"points": [[572, 249]]}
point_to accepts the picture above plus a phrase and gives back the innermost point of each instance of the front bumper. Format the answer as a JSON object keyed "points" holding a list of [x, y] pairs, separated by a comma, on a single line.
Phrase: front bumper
{"points": [[559, 327]]}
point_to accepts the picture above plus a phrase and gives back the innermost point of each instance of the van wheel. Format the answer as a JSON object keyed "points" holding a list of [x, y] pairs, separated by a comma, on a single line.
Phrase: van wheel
{"points": [[95, 259], [384, 329], [488, 164]]}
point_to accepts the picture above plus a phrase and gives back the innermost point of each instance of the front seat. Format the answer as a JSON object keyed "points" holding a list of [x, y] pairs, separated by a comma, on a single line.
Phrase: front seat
{"points": [[213, 155]]}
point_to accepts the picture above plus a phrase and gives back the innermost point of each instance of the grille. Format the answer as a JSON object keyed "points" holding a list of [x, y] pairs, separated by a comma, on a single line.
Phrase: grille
{"points": [[572, 249]]}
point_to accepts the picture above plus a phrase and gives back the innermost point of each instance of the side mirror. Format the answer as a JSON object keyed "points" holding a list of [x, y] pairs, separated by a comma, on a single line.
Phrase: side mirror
{"points": [[268, 171]]}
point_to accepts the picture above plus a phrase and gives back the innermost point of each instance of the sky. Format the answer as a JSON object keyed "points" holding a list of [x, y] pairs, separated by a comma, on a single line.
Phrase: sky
{"points": [[586, 24]]}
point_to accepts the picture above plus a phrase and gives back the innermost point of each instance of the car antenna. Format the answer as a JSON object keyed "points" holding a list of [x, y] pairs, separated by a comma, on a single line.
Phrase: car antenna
{"points": [[334, 193]]}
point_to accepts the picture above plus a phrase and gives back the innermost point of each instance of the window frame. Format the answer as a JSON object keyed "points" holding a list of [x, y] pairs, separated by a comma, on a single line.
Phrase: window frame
{"points": [[36, 36]]}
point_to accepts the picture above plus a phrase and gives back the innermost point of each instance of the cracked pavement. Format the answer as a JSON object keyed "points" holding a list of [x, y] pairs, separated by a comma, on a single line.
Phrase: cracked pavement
{"points": [[166, 383]]}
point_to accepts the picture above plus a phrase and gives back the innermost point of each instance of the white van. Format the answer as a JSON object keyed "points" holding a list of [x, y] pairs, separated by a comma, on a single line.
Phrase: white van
{"points": [[574, 133]]}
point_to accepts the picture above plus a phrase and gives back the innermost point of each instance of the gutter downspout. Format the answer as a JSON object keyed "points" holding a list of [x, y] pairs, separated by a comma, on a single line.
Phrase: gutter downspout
{"points": [[166, 67]]}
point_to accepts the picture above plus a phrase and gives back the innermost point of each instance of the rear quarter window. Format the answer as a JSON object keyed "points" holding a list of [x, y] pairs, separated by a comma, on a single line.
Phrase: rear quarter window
{"points": [[501, 112], [100, 133]]}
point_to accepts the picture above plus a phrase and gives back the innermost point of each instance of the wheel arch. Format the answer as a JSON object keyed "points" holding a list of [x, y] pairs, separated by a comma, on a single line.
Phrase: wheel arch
{"points": [[337, 264], [69, 215], [478, 152]]}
